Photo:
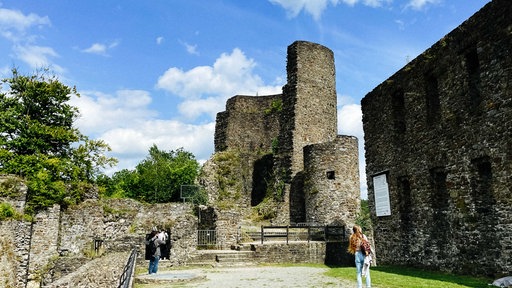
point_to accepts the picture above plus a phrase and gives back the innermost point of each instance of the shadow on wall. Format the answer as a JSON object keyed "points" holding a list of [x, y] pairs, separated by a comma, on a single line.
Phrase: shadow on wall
{"points": [[336, 254]]}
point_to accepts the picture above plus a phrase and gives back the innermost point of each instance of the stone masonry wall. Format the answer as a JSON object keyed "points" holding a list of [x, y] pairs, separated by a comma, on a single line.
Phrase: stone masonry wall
{"points": [[331, 182], [244, 135], [122, 224], [270, 145], [309, 111], [14, 253], [44, 243], [54, 249], [309, 115], [303, 252], [248, 124], [14, 235], [440, 129]]}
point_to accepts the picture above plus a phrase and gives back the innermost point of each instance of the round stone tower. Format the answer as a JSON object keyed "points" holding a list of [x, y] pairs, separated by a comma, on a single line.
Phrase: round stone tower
{"points": [[331, 181], [309, 116], [309, 102]]}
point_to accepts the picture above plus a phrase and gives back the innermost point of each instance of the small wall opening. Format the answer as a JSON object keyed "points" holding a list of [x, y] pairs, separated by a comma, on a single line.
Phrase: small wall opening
{"points": [[473, 70], [440, 229], [405, 210], [398, 105], [331, 175], [405, 204], [260, 177], [432, 99], [481, 185]]}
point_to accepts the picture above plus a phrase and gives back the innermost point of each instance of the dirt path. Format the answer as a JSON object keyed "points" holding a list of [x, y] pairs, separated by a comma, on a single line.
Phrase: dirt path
{"points": [[275, 277]]}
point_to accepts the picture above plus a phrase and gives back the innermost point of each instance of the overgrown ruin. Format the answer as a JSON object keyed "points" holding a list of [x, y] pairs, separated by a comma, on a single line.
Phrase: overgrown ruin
{"points": [[438, 150], [279, 156]]}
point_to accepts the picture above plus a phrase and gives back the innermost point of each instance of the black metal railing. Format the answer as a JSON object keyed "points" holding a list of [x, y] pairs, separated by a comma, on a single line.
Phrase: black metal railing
{"points": [[207, 238], [125, 280], [303, 232]]}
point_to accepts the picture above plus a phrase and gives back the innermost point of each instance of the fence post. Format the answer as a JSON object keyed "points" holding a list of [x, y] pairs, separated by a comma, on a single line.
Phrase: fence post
{"points": [[287, 233], [261, 234]]}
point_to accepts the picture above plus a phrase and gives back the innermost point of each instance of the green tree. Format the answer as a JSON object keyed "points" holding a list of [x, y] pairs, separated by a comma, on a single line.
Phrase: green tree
{"points": [[363, 218], [161, 174], [38, 140], [122, 184]]}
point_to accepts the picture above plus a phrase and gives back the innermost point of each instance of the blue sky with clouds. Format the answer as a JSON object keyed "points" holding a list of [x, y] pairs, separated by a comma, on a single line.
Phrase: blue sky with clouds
{"points": [[157, 72]]}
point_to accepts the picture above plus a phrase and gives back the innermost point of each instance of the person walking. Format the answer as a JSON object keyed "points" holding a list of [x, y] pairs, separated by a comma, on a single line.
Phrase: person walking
{"points": [[154, 245], [355, 248]]}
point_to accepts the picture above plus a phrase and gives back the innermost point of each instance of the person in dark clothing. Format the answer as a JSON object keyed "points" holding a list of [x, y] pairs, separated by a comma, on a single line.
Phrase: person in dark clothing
{"points": [[155, 255]]}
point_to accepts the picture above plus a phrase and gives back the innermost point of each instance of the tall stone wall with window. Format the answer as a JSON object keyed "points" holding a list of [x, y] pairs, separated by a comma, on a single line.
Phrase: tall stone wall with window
{"points": [[309, 116], [270, 132], [331, 175], [440, 130]]}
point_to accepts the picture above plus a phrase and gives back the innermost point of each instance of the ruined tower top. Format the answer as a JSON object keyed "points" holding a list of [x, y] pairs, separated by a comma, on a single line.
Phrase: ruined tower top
{"points": [[309, 114]]}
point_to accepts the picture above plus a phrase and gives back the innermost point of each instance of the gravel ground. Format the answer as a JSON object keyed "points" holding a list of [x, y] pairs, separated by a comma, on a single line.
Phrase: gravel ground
{"points": [[234, 277]]}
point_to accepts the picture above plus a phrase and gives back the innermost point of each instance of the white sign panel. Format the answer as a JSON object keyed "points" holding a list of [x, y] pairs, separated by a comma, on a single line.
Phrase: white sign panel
{"points": [[380, 187]]}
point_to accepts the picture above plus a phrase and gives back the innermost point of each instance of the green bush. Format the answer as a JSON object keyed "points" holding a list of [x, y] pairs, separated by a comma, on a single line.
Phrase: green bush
{"points": [[7, 211]]}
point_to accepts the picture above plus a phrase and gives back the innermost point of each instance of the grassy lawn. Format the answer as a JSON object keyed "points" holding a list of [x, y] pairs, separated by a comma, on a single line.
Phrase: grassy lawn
{"points": [[406, 277]]}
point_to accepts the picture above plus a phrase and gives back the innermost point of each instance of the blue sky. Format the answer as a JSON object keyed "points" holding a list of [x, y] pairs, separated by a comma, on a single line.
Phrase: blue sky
{"points": [[157, 72]]}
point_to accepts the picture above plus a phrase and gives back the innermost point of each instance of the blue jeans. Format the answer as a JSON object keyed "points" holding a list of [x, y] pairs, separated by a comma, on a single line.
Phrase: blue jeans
{"points": [[153, 264], [359, 267]]}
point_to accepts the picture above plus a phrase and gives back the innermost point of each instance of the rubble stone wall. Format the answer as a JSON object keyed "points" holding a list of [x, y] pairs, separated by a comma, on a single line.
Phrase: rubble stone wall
{"points": [[440, 131], [331, 177], [53, 249]]}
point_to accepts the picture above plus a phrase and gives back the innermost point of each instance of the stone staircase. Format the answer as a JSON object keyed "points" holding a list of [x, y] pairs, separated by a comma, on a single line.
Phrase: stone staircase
{"points": [[222, 258]]}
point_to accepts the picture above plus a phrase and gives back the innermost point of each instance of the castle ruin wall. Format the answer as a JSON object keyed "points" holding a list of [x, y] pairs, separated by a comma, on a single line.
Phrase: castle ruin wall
{"points": [[57, 249], [331, 182], [440, 132], [248, 124], [309, 112], [309, 116]]}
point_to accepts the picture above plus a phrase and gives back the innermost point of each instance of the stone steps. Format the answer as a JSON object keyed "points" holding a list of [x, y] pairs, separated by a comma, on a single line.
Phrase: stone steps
{"points": [[224, 258], [235, 258]]}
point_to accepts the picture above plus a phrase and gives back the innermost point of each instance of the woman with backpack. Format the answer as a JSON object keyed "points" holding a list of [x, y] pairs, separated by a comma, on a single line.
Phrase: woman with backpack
{"points": [[154, 245], [359, 246]]}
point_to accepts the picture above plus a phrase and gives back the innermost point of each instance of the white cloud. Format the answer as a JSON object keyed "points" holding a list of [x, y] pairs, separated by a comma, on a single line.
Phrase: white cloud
{"points": [[207, 88], [420, 4], [14, 24], [100, 49], [102, 112], [350, 120], [350, 123], [229, 74], [401, 25], [195, 108], [37, 56], [191, 49], [293, 7], [317, 7], [125, 122], [166, 134], [15, 27], [131, 144], [159, 40]]}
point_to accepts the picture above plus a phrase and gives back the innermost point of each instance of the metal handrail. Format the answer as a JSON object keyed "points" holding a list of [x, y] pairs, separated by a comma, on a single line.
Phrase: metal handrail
{"points": [[289, 230], [125, 280]]}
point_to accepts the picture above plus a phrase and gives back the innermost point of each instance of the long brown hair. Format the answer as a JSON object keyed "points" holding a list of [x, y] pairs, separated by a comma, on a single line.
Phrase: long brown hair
{"points": [[355, 239]]}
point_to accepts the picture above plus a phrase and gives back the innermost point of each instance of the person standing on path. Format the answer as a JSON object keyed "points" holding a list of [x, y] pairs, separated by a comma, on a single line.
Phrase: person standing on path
{"points": [[155, 242], [354, 247]]}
